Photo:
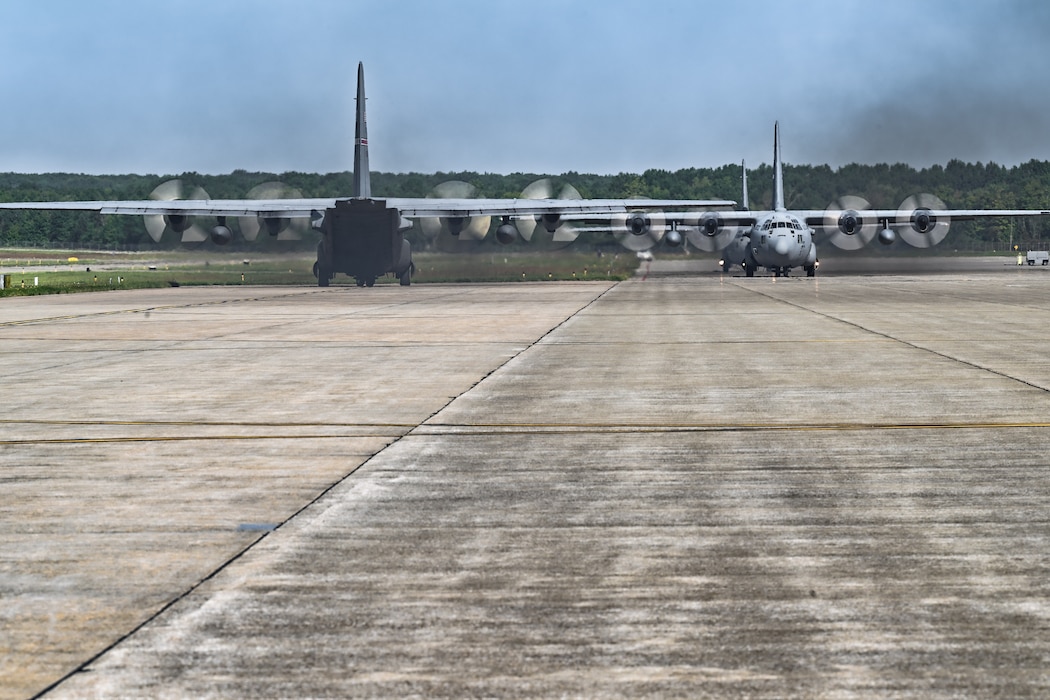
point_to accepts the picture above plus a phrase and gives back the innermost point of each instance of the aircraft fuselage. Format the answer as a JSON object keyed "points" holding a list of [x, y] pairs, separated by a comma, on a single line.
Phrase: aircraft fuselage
{"points": [[780, 242], [362, 238]]}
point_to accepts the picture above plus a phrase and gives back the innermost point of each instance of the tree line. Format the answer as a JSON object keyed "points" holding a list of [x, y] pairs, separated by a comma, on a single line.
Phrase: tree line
{"points": [[960, 185]]}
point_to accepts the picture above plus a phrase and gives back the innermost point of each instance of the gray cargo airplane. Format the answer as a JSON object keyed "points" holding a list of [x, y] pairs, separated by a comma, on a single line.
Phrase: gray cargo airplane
{"points": [[780, 240], [362, 235]]}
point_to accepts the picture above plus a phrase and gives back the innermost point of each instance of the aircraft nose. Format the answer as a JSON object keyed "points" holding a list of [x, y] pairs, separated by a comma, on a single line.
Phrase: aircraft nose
{"points": [[781, 246]]}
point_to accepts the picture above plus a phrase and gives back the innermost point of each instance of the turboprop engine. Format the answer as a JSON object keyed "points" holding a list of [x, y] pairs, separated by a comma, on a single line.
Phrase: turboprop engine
{"points": [[710, 224], [454, 234], [922, 221], [850, 221], [638, 223], [924, 229], [180, 224]]}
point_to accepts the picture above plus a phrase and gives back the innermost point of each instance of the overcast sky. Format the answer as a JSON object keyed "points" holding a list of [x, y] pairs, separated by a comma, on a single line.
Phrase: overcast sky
{"points": [[118, 86]]}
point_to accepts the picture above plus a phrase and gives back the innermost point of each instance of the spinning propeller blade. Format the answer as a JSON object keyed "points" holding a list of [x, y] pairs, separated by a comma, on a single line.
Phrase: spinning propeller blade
{"points": [[455, 234], [917, 226], [532, 228], [282, 229], [158, 224], [846, 225]]}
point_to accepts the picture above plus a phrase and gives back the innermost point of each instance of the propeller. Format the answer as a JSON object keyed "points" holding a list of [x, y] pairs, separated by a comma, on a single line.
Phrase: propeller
{"points": [[454, 234], [532, 228], [639, 230], [709, 232], [283, 229], [918, 227], [158, 224], [845, 224]]}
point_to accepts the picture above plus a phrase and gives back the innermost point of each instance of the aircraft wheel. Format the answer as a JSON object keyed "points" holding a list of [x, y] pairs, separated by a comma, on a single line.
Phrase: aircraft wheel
{"points": [[360, 282], [370, 282], [749, 271], [811, 271], [406, 277]]}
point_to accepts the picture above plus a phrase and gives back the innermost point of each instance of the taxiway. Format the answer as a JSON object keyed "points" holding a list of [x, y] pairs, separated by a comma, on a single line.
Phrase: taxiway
{"points": [[683, 486]]}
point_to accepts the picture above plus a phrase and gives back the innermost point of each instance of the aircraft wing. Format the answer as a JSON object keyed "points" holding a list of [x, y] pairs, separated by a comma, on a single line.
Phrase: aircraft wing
{"points": [[567, 208], [284, 208], [894, 217], [408, 207]]}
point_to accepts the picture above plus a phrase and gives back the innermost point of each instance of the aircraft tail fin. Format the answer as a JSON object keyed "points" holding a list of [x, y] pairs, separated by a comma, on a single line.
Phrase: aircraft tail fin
{"points": [[362, 181], [743, 181], [778, 171]]}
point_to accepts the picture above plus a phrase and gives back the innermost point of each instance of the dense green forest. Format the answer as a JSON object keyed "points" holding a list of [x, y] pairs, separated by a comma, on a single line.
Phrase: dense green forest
{"points": [[960, 185]]}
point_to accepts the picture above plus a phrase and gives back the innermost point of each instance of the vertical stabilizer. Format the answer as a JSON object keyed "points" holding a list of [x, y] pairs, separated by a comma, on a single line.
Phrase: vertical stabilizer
{"points": [[778, 171], [362, 182], [743, 181]]}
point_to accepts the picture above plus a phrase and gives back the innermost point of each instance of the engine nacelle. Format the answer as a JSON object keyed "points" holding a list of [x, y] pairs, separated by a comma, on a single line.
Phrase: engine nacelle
{"points": [[922, 221], [710, 224], [638, 223], [455, 224], [887, 236], [506, 233], [178, 222], [551, 221], [274, 225], [221, 235], [850, 222]]}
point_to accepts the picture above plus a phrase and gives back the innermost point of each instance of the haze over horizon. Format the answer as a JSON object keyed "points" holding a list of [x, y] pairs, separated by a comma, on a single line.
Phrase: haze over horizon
{"points": [[116, 86]]}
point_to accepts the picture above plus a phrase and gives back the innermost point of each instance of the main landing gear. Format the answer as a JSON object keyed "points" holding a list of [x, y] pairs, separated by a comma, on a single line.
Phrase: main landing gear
{"points": [[749, 270]]}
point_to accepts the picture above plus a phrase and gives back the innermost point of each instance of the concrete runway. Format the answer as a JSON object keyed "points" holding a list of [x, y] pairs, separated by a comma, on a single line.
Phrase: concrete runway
{"points": [[678, 487]]}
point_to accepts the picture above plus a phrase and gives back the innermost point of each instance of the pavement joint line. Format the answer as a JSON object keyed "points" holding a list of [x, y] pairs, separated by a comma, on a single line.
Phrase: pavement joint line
{"points": [[911, 344], [299, 291], [85, 665], [450, 430], [548, 428], [968, 298], [173, 345], [161, 423], [115, 312], [188, 438], [539, 341]]}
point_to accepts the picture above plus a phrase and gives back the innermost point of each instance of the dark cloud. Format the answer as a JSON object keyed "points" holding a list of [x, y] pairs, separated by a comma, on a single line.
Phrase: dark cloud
{"points": [[972, 86]]}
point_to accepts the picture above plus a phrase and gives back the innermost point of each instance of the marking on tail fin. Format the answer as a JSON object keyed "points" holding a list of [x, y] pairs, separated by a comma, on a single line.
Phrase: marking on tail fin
{"points": [[362, 179]]}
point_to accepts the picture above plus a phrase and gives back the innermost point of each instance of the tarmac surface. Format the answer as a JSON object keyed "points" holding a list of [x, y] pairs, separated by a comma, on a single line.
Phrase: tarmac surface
{"points": [[681, 486]]}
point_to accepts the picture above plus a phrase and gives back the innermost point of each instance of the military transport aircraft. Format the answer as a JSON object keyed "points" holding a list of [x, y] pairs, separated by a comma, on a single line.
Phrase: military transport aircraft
{"points": [[362, 235], [780, 240]]}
